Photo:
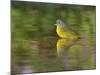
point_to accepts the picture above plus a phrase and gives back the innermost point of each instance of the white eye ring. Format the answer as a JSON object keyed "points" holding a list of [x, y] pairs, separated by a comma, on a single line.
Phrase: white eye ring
{"points": [[60, 22]]}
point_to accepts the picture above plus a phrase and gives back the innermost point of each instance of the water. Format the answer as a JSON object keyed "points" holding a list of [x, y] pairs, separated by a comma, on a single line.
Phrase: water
{"points": [[44, 55]]}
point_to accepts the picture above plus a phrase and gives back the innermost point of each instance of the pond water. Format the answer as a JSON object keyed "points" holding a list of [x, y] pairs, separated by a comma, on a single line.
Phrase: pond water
{"points": [[51, 54]]}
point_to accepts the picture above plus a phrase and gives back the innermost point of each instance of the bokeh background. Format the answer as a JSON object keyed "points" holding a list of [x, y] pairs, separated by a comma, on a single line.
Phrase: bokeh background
{"points": [[34, 37]]}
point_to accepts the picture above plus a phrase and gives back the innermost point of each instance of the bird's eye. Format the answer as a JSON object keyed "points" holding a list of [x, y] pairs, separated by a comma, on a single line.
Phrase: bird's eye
{"points": [[58, 21]]}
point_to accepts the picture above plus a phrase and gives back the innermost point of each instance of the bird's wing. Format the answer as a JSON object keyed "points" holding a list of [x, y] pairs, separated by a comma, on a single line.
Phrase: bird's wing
{"points": [[70, 30]]}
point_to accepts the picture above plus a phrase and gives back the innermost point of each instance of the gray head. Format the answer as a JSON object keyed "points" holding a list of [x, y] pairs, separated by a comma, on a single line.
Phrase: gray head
{"points": [[59, 23]]}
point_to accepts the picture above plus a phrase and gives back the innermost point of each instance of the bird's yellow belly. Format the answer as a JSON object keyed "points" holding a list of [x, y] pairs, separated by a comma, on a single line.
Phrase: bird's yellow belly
{"points": [[62, 34], [65, 34]]}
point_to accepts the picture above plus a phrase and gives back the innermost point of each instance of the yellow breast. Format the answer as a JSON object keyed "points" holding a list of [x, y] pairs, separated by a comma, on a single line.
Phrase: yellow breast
{"points": [[65, 34]]}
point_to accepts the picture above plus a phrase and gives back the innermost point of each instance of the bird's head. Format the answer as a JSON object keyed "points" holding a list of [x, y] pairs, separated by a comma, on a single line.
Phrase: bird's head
{"points": [[59, 23]]}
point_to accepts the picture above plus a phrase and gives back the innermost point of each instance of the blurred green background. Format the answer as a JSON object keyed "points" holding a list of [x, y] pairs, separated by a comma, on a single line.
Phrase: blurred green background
{"points": [[34, 36]]}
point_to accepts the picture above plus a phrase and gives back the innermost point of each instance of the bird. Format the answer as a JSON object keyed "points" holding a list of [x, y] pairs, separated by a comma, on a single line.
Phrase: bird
{"points": [[64, 31], [68, 39]]}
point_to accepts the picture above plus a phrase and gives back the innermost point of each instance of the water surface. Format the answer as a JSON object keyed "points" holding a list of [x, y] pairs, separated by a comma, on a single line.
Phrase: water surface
{"points": [[43, 55]]}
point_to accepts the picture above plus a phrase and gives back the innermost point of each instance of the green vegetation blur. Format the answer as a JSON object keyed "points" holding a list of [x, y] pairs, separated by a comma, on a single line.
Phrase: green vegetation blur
{"points": [[33, 22], [30, 20]]}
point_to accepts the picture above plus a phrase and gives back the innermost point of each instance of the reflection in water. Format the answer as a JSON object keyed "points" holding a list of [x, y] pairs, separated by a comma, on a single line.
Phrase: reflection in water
{"points": [[63, 46], [50, 54], [75, 55]]}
